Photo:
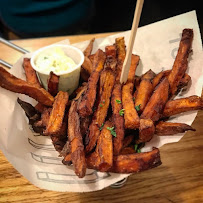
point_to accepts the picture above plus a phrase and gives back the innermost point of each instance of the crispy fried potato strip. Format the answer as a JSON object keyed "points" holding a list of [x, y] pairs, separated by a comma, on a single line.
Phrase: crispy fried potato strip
{"points": [[89, 48], [131, 117], [30, 73], [181, 61], [167, 128], [53, 83], [104, 148], [149, 75], [177, 106], [146, 131], [57, 113], [14, 84], [144, 92], [116, 99], [130, 163], [86, 69], [102, 107], [158, 78], [157, 101], [86, 105], [127, 150], [117, 118], [128, 140], [76, 141], [133, 163]]}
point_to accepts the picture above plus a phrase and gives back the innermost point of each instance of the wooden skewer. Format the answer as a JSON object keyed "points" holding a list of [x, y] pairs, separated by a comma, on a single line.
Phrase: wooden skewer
{"points": [[127, 61]]}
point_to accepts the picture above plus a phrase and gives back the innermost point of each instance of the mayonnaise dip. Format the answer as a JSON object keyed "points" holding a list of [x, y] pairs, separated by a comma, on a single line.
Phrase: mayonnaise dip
{"points": [[54, 60]]}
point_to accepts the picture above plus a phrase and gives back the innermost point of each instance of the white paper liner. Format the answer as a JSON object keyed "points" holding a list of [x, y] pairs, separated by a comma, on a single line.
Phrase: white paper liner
{"points": [[35, 157]]}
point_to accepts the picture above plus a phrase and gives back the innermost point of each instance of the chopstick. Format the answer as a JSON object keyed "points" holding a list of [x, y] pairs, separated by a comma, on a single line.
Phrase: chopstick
{"points": [[127, 61], [8, 65], [8, 43], [24, 51]]}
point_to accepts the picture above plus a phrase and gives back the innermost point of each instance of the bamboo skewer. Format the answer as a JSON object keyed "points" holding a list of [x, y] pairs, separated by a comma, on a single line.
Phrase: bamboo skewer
{"points": [[127, 61]]}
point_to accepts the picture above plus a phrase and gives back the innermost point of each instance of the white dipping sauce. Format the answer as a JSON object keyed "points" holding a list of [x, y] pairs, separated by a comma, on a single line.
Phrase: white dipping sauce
{"points": [[54, 60]]}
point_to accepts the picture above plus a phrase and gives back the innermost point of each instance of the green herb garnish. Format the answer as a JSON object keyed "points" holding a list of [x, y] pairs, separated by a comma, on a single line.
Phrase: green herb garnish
{"points": [[103, 101], [136, 147], [138, 107], [139, 151], [45, 57], [118, 101], [134, 99], [100, 105], [121, 112], [102, 125], [112, 131]]}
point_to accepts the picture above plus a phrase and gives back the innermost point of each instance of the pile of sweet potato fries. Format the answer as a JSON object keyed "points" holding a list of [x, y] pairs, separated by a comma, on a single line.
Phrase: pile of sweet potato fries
{"points": [[104, 124]]}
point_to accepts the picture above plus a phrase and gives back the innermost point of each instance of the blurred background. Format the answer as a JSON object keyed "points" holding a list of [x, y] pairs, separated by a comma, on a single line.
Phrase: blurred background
{"points": [[43, 18]]}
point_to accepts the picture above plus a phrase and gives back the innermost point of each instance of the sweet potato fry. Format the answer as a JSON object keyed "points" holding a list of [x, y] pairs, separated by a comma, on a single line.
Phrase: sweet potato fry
{"points": [[181, 61], [102, 107], [40, 107], [30, 73], [128, 140], [158, 78], [58, 143], [43, 122], [116, 99], [86, 69], [143, 95], [76, 141], [10, 82], [91, 57], [121, 52], [166, 128], [52, 83], [86, 105], [131, 117], [146, 131], [149, 75], [104, 148], [117, 118], [127, 150], [57, 114], [32, 114], [177, 106], [184, 82], [30, 111], [155, 106], [133, 163], [67, 160], [111, 60], [84, 125], [89, 48]]}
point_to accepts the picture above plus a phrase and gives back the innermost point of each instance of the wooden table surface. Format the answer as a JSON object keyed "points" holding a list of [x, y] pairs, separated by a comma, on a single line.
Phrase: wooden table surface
{"points": [[178, 179]]}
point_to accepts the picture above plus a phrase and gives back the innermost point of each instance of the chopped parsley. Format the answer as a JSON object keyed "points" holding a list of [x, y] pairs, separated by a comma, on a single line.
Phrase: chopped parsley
{"points": [[139, 151], [118, 101], [138, 107], [112, 131], [102, 125], [103, 101], [45, 57], [100, 105], [121, 112], [136, 147]]}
